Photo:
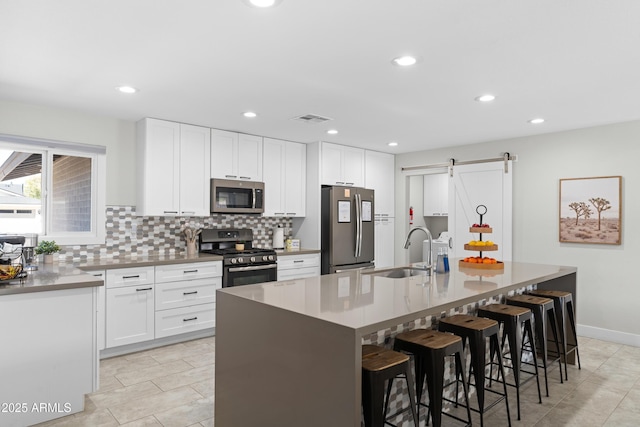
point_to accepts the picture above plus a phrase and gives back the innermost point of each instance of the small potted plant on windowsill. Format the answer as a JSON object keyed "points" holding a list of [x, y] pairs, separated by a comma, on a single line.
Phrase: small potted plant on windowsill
{"points": [[47, 248]]}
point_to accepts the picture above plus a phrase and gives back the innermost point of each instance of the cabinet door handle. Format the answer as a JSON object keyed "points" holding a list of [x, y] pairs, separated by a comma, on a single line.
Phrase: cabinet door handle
{"points": [[291, 213], [143, 289], [245, 177], [190, 271], [298, 260], [137, 276], [189, 319], [340, 182], [188, 212], [98, 275], [190, 293], [349, 183], [171, 212], [278, 213], [231, 176]]}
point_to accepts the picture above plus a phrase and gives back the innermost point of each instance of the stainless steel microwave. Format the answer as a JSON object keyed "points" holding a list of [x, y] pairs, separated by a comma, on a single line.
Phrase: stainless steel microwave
{"points": [[233, 196]]}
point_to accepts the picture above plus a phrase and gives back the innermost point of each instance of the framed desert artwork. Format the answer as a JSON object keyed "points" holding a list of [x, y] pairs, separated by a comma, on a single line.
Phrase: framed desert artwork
{"points": [[591, 210]]}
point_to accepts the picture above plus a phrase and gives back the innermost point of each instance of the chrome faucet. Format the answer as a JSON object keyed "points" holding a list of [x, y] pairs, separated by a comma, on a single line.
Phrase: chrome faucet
{"points": [[407, 243]]}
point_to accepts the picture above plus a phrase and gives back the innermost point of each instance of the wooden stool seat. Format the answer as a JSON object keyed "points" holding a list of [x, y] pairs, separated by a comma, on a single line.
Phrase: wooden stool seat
{"points": [[513, 320], [550, 293], [430, 348], [477, 330], [530, 299], [381, 359], [381, 365]]}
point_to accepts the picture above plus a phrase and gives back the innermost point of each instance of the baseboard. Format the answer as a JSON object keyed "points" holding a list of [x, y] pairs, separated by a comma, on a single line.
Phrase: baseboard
{"points": [[609, 335]]}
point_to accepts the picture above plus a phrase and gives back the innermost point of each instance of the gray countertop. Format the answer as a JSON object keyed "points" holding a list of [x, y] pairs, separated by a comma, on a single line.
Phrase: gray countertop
{"points": [[59, 276], [301, 251], [365, 301]]}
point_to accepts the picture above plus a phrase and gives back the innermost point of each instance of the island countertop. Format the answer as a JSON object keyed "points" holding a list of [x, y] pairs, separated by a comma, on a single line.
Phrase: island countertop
{"points": [[280, 345], [367, 301]]}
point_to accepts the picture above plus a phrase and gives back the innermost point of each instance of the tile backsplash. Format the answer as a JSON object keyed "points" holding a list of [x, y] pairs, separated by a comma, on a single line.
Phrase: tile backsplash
{"points": [[128, 234]]}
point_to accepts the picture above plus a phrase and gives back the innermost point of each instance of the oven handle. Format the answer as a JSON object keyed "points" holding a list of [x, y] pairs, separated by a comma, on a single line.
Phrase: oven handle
{"points": [[253, 267]]}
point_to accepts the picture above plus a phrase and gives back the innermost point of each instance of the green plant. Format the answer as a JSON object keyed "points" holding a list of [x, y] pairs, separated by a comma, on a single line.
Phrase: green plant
{"points": [[47, 247]]}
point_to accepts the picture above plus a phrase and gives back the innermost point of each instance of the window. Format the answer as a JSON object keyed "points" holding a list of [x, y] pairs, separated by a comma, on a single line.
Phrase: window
{"points": [[53, 189]]}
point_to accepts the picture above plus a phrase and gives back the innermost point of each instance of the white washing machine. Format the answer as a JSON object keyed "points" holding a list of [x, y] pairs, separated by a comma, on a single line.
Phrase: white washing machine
{"points": [[443, 241]]}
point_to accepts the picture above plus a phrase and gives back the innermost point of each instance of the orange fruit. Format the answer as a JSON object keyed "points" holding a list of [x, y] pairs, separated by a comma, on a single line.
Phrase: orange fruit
{"points": [[486, 261]]}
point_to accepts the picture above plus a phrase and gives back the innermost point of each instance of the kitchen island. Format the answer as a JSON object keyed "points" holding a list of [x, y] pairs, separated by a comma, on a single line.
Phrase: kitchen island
{"points": [[49, 357], [289, 352]]}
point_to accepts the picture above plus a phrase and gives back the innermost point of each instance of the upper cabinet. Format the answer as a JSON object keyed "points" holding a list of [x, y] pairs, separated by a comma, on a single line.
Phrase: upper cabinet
{"points": [[380, 176], [173, 164], [284, 172], [436, 195], [342, 165], [236, 155]]}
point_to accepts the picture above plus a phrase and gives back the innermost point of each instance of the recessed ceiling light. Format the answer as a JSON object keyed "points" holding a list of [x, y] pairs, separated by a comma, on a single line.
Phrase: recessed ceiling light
{"points": [[249, 114], [392, 144], [127, 89], [536, 121], [485, 98], [405, 61], [332, 131], [262, 3]]}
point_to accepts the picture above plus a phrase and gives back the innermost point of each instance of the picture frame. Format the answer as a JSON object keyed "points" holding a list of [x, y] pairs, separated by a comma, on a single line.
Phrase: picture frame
{"points": [[590, 210]]}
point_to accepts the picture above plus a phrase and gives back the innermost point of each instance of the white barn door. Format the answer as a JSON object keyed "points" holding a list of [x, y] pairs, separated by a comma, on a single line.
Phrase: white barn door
{"points": [[481, 184]]}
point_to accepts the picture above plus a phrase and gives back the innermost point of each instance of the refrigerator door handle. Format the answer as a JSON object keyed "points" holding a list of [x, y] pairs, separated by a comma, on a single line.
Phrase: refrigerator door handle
{"points": [[359, 222], [355, 200]]}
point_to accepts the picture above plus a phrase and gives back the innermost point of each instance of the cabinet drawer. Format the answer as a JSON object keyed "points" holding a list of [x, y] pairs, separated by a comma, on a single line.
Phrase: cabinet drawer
{"points": [[196, 270], [298, 273], [298, 261], [185, 319], [186, 293], [120, 277]]}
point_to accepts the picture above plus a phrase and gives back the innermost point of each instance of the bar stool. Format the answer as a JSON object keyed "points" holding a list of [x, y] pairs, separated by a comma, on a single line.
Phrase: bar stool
{"points": [[513, 320], [539, 306], [563, 303], [430, 348], [476, 330], [379, 365]]}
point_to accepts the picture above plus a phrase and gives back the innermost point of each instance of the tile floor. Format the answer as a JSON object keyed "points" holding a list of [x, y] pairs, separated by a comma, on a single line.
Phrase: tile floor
{"points": [[173, 386]]}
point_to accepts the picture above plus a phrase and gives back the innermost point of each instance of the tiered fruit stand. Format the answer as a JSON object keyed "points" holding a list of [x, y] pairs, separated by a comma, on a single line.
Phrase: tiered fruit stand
{"points": [[481, 246]]}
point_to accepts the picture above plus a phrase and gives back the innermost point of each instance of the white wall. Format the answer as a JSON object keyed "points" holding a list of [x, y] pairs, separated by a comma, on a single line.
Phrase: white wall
{"points": [[118, 136], [608, 289]]}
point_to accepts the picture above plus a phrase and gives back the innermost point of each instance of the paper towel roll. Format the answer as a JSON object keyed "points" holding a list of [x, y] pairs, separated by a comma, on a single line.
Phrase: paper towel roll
{"points": [[278, 238]]}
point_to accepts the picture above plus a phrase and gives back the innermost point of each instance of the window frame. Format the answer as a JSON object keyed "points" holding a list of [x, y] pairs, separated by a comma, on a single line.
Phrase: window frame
{"points": [[47, 148]]}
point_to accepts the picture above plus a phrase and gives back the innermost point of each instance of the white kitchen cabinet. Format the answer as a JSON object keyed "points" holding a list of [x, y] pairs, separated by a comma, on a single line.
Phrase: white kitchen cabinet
{"points": [[342, 165], [436, 194], [384, 239], [298, 266], [236, 156], [380, 177], [284, 172], [129, 306], [173, 167], [185, 297]]}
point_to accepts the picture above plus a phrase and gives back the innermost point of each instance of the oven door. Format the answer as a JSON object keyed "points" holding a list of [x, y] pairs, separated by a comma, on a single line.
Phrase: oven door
{"points": [[249, 275]]}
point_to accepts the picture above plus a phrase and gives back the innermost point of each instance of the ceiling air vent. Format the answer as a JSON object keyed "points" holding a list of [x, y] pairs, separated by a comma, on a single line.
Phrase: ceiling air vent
{"points": [[311, 119]]}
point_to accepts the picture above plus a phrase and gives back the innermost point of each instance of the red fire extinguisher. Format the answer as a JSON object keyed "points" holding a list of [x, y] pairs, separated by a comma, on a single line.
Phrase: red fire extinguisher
{"points": [[410, 215]]}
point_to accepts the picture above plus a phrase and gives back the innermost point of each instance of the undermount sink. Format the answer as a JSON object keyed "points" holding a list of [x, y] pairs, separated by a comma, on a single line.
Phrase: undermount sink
{"points": [[399, 273]]}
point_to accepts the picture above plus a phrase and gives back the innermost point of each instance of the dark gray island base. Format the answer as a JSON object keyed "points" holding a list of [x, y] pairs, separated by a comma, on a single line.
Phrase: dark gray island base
{"points": [[289, 353]]}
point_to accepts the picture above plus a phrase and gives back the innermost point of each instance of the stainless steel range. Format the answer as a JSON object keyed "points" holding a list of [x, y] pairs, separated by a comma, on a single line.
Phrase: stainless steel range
{"points": [[241, 267]]}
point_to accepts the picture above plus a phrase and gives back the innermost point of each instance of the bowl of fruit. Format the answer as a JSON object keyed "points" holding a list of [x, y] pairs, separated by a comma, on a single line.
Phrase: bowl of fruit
{"points": [[9, 272]]}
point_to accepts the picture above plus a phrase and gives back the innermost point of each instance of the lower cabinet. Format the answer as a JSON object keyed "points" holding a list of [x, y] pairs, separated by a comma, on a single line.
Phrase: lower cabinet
{"points": [[147, 303], [130, 315], [298, 266]]}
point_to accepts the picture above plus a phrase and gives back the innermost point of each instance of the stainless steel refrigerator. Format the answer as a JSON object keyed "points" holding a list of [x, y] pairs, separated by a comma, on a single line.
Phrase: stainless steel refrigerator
{"points": [[347, 228]]}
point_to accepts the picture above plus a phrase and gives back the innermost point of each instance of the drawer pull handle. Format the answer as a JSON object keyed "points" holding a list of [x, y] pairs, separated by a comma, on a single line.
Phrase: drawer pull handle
{"points": [[137, 276], [190, 271], [143, 289], [189, 319], [298, 260], [171, 212], [190, 293]]}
